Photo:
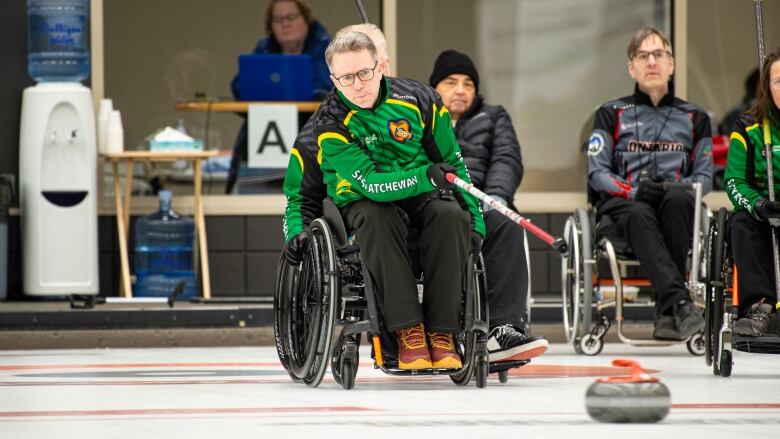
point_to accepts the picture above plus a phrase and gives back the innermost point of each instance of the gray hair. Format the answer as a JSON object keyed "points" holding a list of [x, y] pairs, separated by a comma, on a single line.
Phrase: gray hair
{"points": [[349, 42], [373, 32]]}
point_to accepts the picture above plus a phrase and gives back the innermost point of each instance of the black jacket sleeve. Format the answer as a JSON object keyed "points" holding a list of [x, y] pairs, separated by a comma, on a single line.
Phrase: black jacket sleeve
{"points": [[505, 170]]}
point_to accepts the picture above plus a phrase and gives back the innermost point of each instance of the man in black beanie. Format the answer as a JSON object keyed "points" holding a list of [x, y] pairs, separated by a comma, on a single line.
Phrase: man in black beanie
{"points": [[492, 154]]}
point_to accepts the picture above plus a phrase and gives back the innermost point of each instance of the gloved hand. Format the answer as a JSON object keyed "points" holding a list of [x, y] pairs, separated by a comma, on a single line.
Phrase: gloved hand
{"points": [[767, 210], [295, 248], [476, 242], [650, 192], [436, 173]]}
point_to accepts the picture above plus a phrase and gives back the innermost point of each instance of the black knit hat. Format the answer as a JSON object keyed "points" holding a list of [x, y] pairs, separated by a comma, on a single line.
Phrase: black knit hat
{"points": [[451, 61]]}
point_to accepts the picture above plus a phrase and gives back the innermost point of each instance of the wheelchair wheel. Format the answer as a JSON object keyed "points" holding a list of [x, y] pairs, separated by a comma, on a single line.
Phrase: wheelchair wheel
{"points": [[481, 369], [714, 305], [469, 343], [725, 363], [312, 307], [576, 276], [591, 344], [345, 360], [696, 344], [285, 277]]}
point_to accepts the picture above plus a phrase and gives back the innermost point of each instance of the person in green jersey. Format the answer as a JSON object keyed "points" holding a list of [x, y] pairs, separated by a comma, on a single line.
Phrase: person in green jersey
{"points": [[753, 215], [385, 145]]}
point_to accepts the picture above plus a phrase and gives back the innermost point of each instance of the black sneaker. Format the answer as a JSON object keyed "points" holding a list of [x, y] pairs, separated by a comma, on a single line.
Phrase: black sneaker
{"points": [[760, 321], [665, 329], [507, 343], [687, 319]]}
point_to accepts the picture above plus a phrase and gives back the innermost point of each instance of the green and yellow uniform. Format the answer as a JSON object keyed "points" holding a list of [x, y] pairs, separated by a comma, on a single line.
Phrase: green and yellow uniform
{"points": [[746, 176], [383, 153]]}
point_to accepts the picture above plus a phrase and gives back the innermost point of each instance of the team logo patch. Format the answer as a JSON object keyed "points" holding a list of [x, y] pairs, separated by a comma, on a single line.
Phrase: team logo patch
{"points": [[595, 144], [400, 130]]}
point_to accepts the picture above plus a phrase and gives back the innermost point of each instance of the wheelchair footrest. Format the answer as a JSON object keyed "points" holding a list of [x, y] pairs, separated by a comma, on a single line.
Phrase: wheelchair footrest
{"points": [[756, 345], [506, 365]]}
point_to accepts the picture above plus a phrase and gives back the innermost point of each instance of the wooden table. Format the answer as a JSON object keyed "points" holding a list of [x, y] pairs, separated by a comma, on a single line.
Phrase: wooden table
{"points": [[123, 207], [242, 106]]}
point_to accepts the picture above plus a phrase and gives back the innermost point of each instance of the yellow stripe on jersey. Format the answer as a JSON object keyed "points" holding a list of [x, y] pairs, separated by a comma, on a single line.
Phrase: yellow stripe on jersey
{"points": [[297, 156], [343, 186], [433, 123], [326, 136], [406, 104], [349, 117], [736, 135], [443, 110]]}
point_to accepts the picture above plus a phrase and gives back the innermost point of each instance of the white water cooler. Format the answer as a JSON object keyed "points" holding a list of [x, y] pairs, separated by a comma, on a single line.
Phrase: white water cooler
{"points": [[58, 190]]}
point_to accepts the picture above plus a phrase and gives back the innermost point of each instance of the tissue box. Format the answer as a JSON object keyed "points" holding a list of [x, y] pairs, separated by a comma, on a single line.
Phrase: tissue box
{"points": [[176, 145]]}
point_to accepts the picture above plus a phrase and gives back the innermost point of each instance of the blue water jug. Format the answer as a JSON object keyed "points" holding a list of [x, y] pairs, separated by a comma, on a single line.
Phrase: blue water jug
{"points": [[163, 252], [58, 32]]}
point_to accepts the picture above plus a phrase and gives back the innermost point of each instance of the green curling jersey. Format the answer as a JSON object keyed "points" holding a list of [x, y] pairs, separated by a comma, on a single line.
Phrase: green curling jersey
{"points": [[382, 153], [746, 177]]}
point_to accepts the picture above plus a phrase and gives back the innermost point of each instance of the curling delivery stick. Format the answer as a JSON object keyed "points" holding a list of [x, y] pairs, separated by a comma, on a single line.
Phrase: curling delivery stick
{"points": [[361, 11], [556, 243], [770, 174]]}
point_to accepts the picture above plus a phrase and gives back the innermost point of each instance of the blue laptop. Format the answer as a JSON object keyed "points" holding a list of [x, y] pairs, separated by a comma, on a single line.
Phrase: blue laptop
{"points": [[274, 77]]}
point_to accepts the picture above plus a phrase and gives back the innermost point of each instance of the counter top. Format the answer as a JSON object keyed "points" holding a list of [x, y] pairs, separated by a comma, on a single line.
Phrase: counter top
{"points": [[229, 205]]}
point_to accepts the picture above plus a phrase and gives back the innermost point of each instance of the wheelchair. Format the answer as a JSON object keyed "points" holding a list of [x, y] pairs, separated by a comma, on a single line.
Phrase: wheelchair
{"points": [[332, 287], [582, 284], [722, 304]]}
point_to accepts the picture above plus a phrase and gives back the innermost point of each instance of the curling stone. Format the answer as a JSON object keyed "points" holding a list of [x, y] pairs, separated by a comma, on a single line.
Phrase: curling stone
{"points": [[635, 398]]}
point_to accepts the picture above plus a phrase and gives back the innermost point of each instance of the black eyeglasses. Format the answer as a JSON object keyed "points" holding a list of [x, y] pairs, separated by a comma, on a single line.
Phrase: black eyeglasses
{"points": [[279, 19], [643, 56], [349, 79]]}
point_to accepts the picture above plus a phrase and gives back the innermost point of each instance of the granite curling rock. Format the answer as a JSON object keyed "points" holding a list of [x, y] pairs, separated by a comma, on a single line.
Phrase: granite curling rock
{"points": [[637, 398]]}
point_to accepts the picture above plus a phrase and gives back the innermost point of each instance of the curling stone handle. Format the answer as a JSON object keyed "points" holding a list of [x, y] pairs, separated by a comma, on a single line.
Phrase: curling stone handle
{"points": [[637, 373]]}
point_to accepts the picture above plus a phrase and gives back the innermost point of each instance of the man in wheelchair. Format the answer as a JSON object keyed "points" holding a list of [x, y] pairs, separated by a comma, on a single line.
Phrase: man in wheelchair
{"points": [[749, 227], [638, 143], [384, 147]]}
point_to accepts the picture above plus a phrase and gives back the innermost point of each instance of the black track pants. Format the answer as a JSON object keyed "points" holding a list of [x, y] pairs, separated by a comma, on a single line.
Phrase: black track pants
{"points": [[507, 274], [751, 246], [381, 233], [660, 239]]}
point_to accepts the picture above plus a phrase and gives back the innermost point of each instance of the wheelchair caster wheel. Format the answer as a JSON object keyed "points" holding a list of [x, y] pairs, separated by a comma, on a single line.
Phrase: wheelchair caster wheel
{"points": [[725, 363], [481, 371], [591, 345], [349, 368], [503, 377], [344, 360], [696, 344]]}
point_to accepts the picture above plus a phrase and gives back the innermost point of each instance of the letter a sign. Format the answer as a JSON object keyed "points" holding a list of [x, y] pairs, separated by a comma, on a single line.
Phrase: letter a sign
{"points": [[272, 131]]}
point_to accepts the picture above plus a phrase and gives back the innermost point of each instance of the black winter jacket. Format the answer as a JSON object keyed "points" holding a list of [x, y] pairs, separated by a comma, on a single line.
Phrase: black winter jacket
{"points": [[490, 149]]}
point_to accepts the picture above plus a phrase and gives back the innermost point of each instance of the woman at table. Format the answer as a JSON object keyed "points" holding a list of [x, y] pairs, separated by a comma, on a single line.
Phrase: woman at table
{"points": [[291, 29]]}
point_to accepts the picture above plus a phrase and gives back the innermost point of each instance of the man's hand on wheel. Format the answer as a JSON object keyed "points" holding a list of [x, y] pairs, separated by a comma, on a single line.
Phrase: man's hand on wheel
{"points": [[295, 248]]}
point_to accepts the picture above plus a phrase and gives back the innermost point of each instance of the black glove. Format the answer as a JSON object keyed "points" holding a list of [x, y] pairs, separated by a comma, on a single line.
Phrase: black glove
{"points": [[650, 192], [476, 243], [766, 209], [436, 173], [295, 248]]}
